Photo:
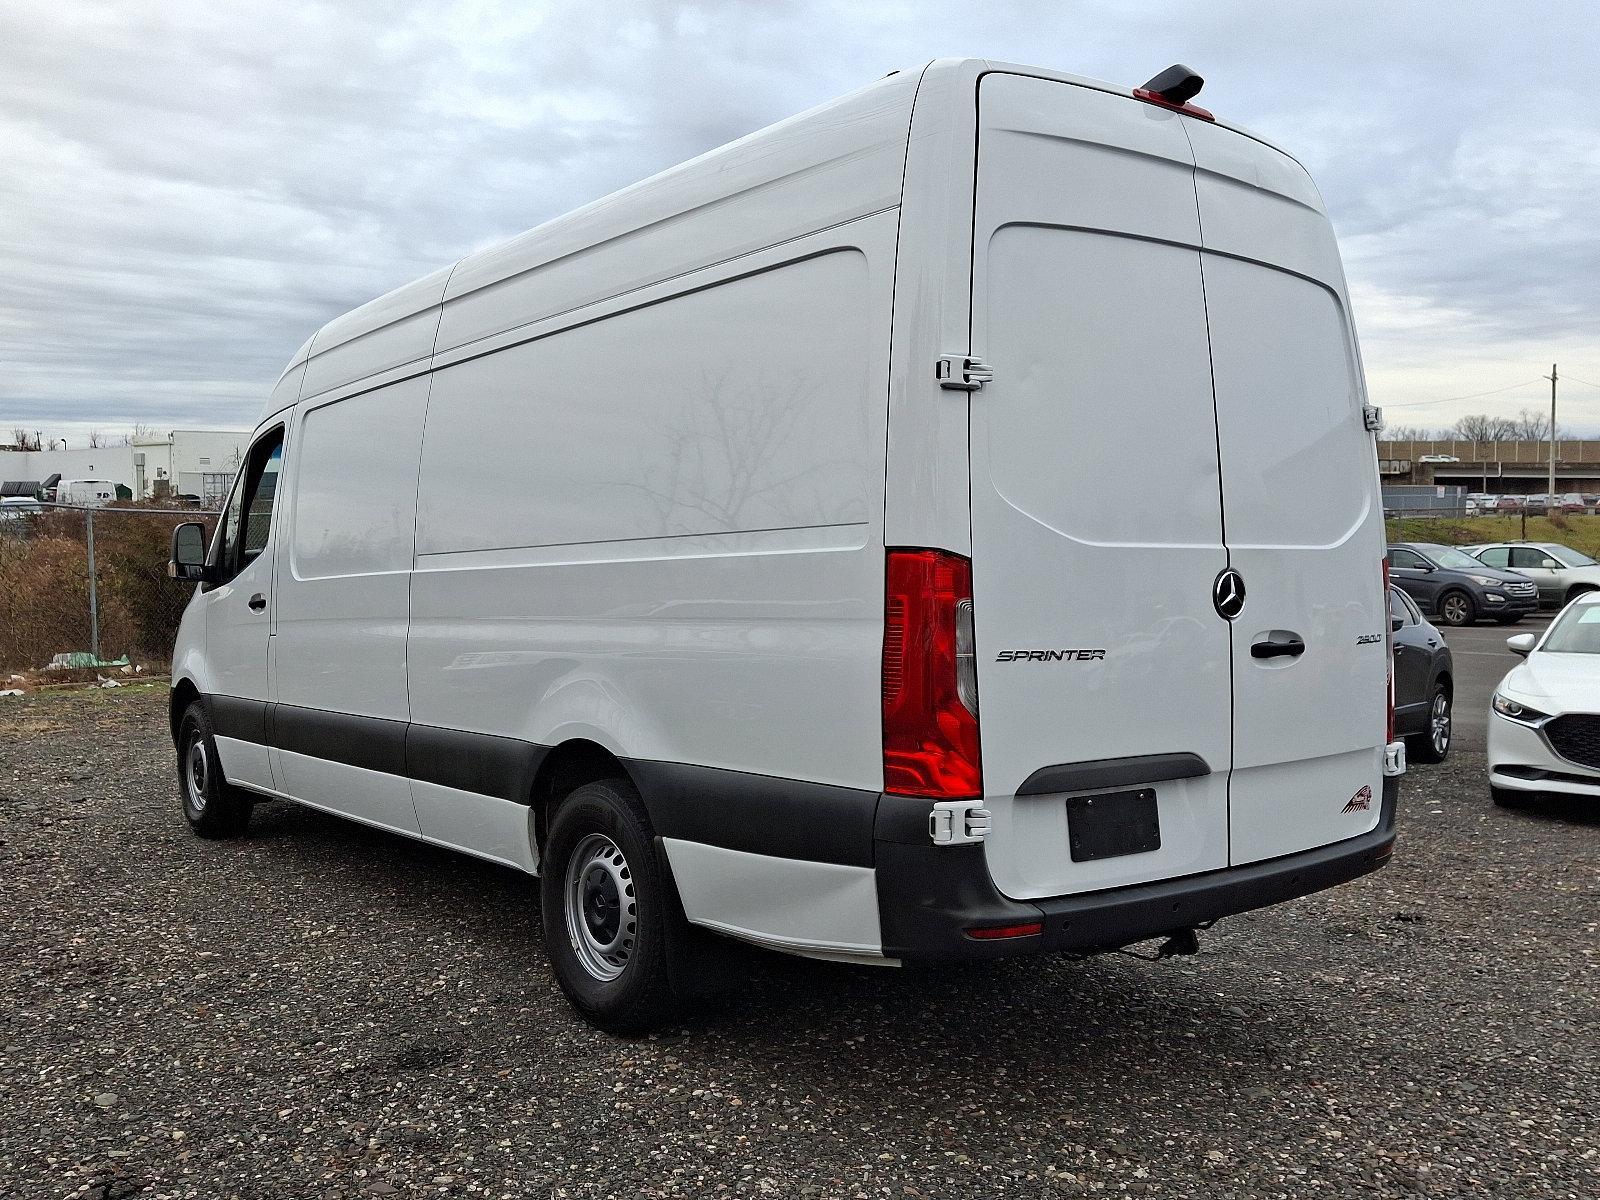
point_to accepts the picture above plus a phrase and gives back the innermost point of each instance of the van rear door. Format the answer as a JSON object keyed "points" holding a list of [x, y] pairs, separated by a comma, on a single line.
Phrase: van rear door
{"points": [[1304, 527], [1097, 528]]}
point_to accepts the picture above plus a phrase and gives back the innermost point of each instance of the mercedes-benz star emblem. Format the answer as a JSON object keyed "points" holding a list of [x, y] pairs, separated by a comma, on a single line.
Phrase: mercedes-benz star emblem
{"points": [[1227, 593]]}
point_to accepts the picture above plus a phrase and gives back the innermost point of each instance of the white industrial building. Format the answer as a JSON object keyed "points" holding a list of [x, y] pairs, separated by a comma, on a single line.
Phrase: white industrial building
{"points": [[187, 462]]}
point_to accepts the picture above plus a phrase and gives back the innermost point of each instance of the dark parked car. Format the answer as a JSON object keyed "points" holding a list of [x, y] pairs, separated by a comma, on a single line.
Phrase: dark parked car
{"points": [[1458, 588], [1424, 681]]}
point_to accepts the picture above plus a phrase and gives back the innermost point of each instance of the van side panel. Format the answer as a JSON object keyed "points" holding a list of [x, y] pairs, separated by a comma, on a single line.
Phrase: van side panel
{"points": [[340, 601], [833, 165], [661, 530]]}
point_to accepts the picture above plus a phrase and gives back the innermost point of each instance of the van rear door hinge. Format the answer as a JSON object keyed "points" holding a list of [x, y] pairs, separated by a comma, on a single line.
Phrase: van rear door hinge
{"points": [[1372, 417], [962, 372], [958, 822]]}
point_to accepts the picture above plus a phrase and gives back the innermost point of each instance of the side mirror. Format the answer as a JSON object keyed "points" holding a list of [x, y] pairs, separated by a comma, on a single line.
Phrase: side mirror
{"points": [[188, 561], [1396, 624], [1522, 644]]}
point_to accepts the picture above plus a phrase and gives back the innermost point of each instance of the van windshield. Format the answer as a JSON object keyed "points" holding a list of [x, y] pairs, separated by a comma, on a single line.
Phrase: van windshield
{"points": [[1576, 631]]}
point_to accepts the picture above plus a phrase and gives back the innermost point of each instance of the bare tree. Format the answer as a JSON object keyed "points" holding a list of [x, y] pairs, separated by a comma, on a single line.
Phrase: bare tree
{"points": [[96, 439], [139, 433], [21, 439], [1485, 428], [1413, 433], [1532, 426]]}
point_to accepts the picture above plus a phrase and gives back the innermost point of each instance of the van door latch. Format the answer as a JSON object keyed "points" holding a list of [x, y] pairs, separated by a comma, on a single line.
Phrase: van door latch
{"points": [[958, 822], [961, 372]]}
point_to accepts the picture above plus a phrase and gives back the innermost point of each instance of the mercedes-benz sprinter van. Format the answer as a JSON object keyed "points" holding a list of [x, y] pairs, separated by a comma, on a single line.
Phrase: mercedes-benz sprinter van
{"points": [[888, 539]]}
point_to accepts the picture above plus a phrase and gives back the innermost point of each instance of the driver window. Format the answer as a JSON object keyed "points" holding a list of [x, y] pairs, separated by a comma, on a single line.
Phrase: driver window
{"points": [[248, 517], [1527, 556], [1404, 558]]}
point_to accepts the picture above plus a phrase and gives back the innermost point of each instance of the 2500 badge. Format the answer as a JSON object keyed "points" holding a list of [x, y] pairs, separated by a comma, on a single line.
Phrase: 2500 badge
{"points": [[1049, 655]]}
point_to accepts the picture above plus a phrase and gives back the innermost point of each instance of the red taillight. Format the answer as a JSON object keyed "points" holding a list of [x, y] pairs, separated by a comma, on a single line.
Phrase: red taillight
{"points": [[1007, 931], [1193, 110], [1388, 652], [930, 722]]}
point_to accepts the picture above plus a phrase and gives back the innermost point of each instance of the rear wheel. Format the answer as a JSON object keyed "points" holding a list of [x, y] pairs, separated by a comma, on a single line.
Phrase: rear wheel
{"points": [[608, 910], [212, 806], [1457, 609], [1433, 744]]}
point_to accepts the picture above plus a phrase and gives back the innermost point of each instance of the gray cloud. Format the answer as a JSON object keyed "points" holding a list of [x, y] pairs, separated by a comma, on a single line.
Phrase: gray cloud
{"points": [[191, 189]]}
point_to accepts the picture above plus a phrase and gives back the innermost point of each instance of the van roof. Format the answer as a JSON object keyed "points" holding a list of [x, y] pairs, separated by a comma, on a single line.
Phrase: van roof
{"points": [[859, 137]]}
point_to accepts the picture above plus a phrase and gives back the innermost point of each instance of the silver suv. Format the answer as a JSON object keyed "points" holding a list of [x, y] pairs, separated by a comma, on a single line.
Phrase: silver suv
{"points": [[1559, 572]]}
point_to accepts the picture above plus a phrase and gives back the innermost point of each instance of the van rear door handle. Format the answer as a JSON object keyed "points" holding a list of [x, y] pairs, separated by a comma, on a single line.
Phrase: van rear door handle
{"points": [[1277, 644], [257, 602]]}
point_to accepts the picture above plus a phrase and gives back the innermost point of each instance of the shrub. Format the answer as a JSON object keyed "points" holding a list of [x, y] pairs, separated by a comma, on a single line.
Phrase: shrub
{"points": [[44, 586]]}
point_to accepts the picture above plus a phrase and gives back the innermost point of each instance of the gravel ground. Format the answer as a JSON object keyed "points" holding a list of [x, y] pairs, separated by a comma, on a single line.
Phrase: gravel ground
{"points": [[324, 1011]]}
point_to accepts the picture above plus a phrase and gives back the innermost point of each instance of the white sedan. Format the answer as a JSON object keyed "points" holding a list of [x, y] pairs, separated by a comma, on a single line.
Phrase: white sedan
{"points": [[1544, 727]]}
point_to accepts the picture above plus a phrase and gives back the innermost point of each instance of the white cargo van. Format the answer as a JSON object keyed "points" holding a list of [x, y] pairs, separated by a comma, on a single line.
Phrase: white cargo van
{"points": [[943, 525]]}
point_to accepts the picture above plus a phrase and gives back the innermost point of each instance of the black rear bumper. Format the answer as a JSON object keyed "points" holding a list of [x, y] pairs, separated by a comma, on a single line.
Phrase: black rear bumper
{"points": [[929, 896]]}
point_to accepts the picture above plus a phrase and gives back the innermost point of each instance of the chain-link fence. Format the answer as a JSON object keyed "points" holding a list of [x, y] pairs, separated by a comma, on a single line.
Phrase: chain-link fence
{"points": [[89, 580]]}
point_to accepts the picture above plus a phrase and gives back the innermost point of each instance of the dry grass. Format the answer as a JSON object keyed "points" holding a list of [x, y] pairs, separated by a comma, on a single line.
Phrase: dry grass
{"points": [[1579, 532], [44, 588]]}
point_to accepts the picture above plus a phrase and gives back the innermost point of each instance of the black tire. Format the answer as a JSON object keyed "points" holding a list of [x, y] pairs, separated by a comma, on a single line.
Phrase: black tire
{"points": [[1574, 592], [213, 807], [1508, 797], [1457, 609], [1433, 744], [609, 911]]}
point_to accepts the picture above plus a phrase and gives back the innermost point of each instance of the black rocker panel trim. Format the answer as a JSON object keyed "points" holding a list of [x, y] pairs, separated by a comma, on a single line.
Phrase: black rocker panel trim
{"points": [[760, 814], [484, 763], [736, 810], [237, 718], [373, 743], [1113, 772]]}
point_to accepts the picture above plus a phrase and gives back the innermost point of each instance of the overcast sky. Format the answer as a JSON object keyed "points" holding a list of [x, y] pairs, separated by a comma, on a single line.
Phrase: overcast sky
{"points": [[190, 188]]}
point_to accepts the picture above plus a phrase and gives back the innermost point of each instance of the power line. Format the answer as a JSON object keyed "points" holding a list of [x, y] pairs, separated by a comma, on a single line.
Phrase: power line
{"points": [[1575, 379], [1473, 396]]}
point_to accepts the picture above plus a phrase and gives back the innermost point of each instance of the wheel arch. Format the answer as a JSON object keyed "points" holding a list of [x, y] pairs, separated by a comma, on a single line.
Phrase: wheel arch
{"points": [[184, 693], [567, 766]]}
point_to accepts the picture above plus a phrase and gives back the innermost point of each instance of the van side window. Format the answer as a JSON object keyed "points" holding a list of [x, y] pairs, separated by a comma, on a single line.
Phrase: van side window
{"points": [[248, 517], [1500, 556]]}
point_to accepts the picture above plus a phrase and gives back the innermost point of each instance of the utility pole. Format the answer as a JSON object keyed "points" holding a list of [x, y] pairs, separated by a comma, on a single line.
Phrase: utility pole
{"points": [[1552, 378], [94, 602]]}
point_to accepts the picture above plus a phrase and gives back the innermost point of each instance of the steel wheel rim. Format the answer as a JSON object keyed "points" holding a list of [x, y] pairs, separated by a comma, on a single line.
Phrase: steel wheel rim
{"points": [[601, 910], [196, 773], [1441, 723], [1455, 610]]}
